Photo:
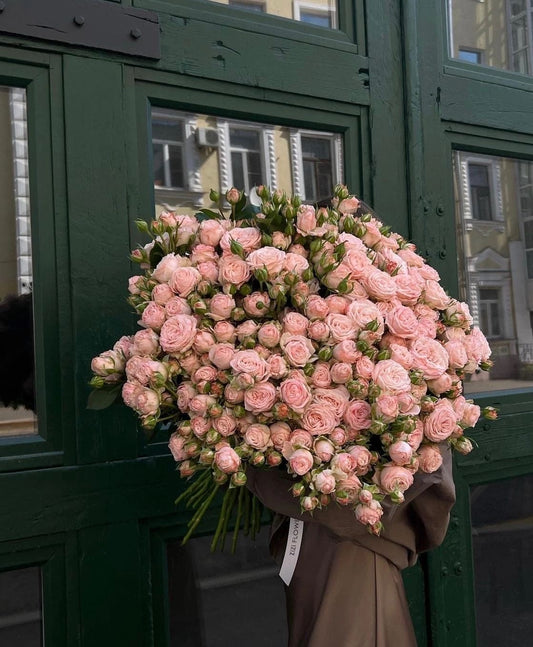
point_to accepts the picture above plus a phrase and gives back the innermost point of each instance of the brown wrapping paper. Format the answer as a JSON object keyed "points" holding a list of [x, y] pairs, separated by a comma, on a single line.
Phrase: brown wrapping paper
{"points": [[347, 588]]}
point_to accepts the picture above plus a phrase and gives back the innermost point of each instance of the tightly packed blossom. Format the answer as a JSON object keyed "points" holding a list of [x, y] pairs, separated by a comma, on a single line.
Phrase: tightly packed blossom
{"points": [[291, 337]]}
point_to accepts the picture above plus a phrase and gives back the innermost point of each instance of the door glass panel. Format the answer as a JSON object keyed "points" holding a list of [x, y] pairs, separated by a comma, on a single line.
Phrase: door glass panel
{"points": [[496, 33], [17, 398], [220, 599], [193, 153], [316, 12], [21, 608], [502, 538], [493, 197]]}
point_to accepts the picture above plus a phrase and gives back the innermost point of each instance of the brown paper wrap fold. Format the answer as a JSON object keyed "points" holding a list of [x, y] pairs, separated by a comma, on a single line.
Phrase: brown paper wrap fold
{"points": [[347, 590]]}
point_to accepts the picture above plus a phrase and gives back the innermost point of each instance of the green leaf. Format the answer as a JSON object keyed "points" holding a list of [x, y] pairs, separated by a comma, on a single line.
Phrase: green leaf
{"points": [[207, 214], [248, 212], [103, 398], [156, 254]]}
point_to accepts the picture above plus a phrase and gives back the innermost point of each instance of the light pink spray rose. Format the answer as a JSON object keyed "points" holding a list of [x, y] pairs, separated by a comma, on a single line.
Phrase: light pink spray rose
{"points": [[175, 445], [145, 342], [402, 321], [335, 399], [177, 306], [256, 304], [318, 420], [358, 415], [341, 372], [295, 263], [257, 436], [441, 422], [316, 307], [295, 323], [269, 258], [269, 335], [161, 294], [221, 355], [395, 478], [380, 285], [221, 306], [224, 331], [277, 367], [227, 460], [301, 461], [166, 266], [298, 350], [321, 375], [325, 482], [391, 377], [318, 330], [363, 459], [225, 424], [178, 333], [248, 361], [233, 270], [248, 237], [203, 342], [430, 458], [401, 452], [153, 316], [184, 280], [260, 397], [429, 356], [210, 232], [280, 433], [295, 393], [147, 402], [324, 449], [370, 514]]}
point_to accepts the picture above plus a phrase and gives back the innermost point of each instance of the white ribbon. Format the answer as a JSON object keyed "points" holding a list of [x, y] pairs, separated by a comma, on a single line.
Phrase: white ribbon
{"points": [[292, 550]]}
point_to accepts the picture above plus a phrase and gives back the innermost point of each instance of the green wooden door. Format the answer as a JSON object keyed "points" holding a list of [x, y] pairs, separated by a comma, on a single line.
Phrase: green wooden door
{"points": [[299, 94]]}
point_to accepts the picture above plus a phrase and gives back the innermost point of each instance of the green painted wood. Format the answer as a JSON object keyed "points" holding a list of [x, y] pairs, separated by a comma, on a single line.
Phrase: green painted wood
{"points": [[99, 242], [110, 597], [388, 163]]}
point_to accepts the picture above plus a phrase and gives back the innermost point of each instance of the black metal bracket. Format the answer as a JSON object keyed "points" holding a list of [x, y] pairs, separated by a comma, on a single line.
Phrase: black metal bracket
{"points": [[89, 23]]}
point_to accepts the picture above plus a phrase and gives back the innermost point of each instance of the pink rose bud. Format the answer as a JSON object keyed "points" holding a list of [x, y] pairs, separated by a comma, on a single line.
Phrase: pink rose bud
{"points": [[187, 468], [238, 479], [365, 496], [298, 489], [309, 503]]}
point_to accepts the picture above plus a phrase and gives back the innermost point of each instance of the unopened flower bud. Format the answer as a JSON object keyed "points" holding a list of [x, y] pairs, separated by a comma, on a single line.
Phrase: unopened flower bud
{"points": [[233, 195], [238, 479], [206, 456], [274, 458], [325, 353], [187, 468], [257, 459], [490, 413], [212, 437], [220, 477], [298, 489]]}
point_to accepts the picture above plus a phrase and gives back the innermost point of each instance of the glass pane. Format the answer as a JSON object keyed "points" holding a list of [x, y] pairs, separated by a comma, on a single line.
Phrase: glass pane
{"points": [[318, 12], [502, 538], [496, 33], [495, 240], [167, 130], [222, 599], [17, 397], [218, 153], [21, 608]]}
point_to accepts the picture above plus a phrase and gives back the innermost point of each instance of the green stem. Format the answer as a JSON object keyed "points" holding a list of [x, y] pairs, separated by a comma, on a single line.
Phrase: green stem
{"points": [[238, 520], [193, 523], [198, 482], [198, 495], [229, 513], [220, 523]]}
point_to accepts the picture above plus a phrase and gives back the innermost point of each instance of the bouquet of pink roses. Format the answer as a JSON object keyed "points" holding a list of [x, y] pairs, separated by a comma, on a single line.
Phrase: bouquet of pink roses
{"points": [[307, 339]]}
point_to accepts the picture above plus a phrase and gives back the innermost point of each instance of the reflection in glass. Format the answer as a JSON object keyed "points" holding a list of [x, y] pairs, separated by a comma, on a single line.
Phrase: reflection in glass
{"points": [[494, 203], [21, 608], [316, 12], [220, 599], [502, 538], [17, 398], [193, 153], [497, 33]]}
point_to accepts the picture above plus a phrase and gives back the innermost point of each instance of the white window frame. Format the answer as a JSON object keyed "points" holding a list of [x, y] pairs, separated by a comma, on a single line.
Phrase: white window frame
{"points": [[498, 302], [497, 279], [498, 220], [313, 7], [21, 188], [298, 184], [193, 191], [529, 25], [267, 151]]}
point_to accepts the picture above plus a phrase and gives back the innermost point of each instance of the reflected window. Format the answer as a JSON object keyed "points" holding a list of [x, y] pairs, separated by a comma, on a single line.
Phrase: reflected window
{"points": [[317, 164], [490, 312], [495, 243], [17, 397], [195, 153], [206, 589], [21, 607], [251, 6], [246, 157], [502, 538], [168, 136], [470, 56], [497, 33], [480, 194], [317, 12]]}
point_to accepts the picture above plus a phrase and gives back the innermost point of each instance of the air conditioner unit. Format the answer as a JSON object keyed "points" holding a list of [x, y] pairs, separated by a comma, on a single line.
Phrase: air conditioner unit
{"points": [[207, 137]]}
